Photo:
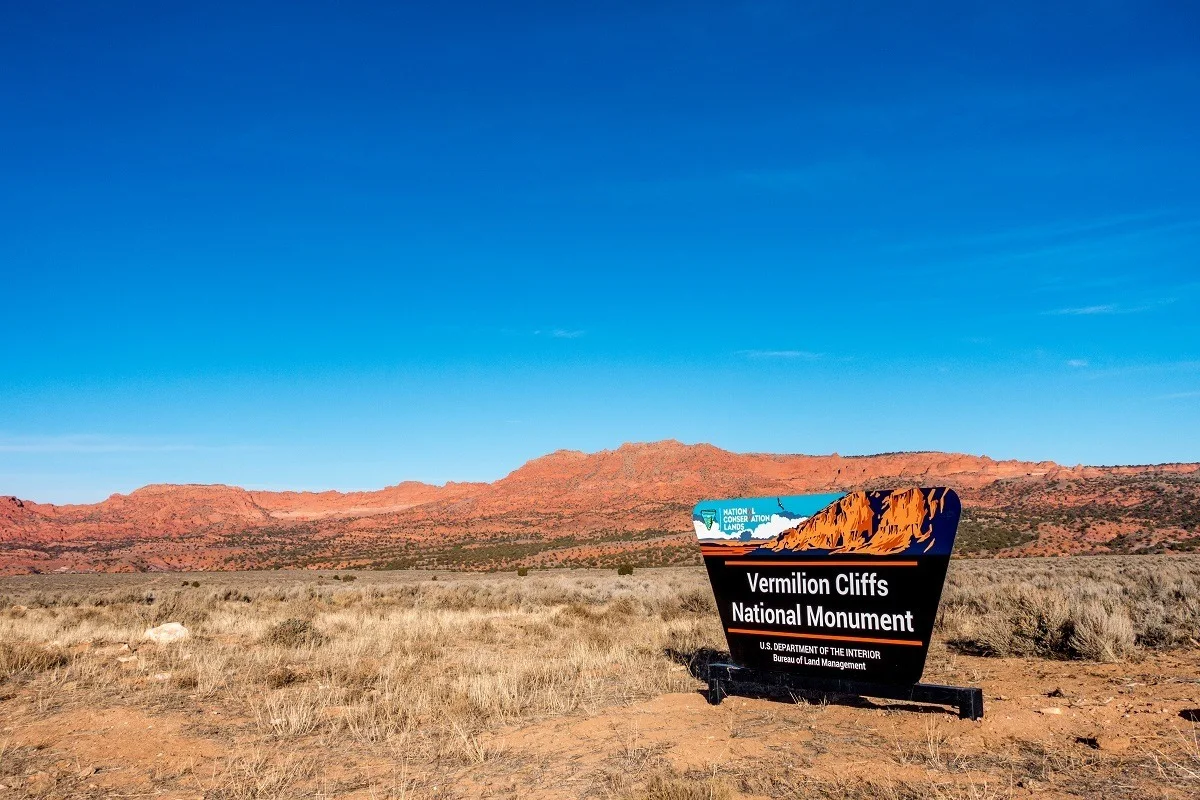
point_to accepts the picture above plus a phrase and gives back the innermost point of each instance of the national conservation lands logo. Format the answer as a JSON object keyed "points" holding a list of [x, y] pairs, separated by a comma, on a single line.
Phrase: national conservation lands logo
{"points": [[830, 585]]}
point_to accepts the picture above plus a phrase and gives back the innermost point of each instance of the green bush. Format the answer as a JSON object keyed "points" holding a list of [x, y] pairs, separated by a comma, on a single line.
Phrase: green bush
{"points": [[522, 571], [625, 569]]}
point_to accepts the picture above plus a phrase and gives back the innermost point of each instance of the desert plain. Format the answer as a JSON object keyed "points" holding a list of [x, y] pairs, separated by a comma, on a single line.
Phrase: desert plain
{"points": [[570, 683]]}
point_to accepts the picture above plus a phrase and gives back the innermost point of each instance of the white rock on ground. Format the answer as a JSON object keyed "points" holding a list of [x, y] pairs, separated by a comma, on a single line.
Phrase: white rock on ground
{"points": [[166, 633]]}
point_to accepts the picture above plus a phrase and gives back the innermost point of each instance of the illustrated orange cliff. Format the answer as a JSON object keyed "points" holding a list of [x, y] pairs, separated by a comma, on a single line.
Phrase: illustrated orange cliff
{"points": [[871, 523]]}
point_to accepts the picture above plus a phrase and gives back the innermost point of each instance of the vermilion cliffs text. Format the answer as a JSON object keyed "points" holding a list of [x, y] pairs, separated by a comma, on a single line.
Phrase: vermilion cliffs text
{"points": [[632, 504]]}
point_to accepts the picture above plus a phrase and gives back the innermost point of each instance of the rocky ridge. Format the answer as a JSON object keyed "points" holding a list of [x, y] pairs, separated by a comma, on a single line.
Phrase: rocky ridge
{"points": [[571, 508]]}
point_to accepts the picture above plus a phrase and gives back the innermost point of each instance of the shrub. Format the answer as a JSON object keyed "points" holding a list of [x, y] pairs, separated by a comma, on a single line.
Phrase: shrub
{"points": [[25, 658], [625, 569], [1092, 620], [280, 676], [689, 601], [522, 571], [1026, 622], [1040, 623], [294, 633], [1101, 635]]}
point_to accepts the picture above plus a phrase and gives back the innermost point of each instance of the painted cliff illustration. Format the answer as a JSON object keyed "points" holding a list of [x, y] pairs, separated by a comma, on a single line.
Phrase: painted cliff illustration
{"points": [[874, 523], [880, 522]]}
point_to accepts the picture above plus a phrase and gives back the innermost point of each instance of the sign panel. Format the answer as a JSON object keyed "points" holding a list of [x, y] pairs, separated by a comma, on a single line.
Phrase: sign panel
{"points": [[830, 585]]}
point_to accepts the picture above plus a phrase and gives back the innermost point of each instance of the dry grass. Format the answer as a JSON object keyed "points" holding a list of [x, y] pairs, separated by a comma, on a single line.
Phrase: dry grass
{"points": [[257, 774], [25, 658], [413, 669], [669, 786], [1097, 609], [428, 668], [1181, 763]]}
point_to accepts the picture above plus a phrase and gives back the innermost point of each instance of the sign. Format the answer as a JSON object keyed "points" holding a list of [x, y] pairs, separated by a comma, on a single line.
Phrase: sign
{"points": [[842, 586]]}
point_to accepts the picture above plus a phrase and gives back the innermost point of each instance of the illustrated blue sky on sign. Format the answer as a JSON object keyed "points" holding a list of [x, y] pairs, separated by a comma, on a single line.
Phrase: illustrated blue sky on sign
{"points": [[753, 518]]}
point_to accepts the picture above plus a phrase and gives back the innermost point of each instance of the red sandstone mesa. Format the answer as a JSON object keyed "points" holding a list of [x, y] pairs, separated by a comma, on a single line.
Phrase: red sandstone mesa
{"points": [[631, 500]]}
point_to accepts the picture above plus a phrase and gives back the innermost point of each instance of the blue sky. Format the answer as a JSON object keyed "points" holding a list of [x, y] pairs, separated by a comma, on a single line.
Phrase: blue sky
{"points": [[342, 245]]}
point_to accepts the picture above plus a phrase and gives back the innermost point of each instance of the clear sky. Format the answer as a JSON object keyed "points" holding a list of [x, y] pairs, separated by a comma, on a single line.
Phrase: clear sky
{"points": [[340, 245]]}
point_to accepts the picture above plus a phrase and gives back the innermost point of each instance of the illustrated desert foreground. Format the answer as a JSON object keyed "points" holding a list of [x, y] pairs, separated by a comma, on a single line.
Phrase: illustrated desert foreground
{"points": [[521, 662]]}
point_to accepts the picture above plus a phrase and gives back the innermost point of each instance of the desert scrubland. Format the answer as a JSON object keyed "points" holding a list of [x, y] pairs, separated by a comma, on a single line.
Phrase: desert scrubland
{"points": [[579, 683]]}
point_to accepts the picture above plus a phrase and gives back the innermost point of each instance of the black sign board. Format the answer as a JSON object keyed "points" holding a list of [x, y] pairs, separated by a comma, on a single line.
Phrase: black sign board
{"points": [[832, 586]]}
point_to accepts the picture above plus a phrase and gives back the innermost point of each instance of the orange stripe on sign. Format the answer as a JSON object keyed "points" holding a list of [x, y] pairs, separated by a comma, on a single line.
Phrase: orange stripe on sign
{"points": [[770, 562], [908, 642]]}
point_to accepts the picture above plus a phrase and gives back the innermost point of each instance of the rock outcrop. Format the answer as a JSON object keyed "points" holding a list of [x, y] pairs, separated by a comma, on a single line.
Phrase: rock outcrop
{"points": [[167, 633], [603, 505]]}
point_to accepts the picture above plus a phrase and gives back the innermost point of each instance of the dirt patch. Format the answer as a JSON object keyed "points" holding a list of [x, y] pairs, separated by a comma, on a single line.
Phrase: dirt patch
{"points": [[1051, 730], [85, 751]]}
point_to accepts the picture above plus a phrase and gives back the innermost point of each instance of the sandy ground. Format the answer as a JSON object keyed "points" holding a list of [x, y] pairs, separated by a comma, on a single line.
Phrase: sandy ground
{"points": [[1051, 729]]}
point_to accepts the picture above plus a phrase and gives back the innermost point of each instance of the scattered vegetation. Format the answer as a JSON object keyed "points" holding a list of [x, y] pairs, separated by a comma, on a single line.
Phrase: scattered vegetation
{"points": [[1159, 512], [430, 674], [1095, 608], [987, 531]]}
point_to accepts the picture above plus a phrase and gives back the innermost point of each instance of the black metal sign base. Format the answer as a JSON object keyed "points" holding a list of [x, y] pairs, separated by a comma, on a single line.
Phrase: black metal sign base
{"points": [[729, 679]]}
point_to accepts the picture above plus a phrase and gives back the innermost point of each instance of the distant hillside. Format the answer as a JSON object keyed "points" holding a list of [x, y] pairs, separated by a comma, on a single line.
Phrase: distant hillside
{"points": [[632, 504]]}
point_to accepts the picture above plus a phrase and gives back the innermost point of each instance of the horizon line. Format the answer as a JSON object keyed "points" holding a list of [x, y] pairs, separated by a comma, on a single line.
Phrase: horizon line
{"points": [[441, 485]]}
